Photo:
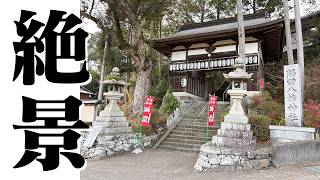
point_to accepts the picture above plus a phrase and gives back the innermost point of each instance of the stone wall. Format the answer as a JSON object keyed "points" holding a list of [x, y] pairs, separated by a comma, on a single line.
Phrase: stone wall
{"points": [[232, 159], [108, 145], [173, 117], [296, 153]]}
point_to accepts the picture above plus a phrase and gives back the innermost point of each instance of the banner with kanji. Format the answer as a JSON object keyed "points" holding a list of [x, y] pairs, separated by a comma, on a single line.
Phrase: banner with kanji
{"points": [[147, 111], [212, 109]]}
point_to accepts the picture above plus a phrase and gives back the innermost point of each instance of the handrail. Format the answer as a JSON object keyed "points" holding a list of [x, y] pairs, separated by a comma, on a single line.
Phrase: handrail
{"points": [[225, 91]]}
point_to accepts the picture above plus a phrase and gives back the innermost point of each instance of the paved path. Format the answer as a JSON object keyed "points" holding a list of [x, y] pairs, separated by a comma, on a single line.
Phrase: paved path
{"points": [[172, 165]]}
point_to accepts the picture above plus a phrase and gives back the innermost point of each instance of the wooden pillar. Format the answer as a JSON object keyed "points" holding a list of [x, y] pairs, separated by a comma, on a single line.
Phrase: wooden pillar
{"points": [[300, 56], [241, 34], [288, 31], [100, 93], [187, 51]]}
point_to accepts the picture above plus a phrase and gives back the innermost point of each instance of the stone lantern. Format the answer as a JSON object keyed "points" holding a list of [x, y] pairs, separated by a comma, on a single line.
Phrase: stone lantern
{"points": [[112, 119], [238, 79], [235, 131], [115, 86]]}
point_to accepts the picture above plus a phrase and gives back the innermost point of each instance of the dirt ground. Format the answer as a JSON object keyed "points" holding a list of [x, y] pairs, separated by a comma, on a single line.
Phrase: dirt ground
{"points": [[165, 164]]}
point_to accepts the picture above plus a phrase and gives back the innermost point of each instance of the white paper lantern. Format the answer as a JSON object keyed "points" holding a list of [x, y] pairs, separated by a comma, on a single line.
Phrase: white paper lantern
{"points": [[211, 63], [215, 64], [228, 62]]}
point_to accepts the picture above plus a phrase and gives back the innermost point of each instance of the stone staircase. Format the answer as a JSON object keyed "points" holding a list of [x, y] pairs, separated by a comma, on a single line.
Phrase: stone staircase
{"points": [[191, 132]]}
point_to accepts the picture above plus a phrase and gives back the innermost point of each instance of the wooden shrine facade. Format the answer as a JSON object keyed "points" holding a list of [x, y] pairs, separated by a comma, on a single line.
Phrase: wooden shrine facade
{"points": [[197, 51]]}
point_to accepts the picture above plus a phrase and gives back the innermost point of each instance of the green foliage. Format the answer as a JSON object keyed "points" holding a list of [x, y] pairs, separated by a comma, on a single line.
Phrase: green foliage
{"points": [[112, 76], [312, 78], [93, 86], [170, 103], [260, 126], [265, 111], [267, 106], [313, 50], [158, 119], [114, 58], [159, 82]]}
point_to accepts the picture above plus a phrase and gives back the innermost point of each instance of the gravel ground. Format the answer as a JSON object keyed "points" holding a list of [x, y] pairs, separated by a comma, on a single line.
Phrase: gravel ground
{"points": [[171, 165]]}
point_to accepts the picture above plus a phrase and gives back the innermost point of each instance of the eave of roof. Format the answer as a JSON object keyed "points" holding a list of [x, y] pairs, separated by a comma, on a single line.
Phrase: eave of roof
{"points": [[164, 45]]}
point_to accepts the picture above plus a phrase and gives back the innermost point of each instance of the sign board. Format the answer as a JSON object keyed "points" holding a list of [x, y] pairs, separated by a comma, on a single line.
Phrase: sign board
{"points": [[212, 109], [95, 130], [292, 95], [147, 111]]}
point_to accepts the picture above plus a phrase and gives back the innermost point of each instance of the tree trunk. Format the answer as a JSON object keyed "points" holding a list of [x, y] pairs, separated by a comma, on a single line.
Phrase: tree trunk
{"points": [[142, 87]]}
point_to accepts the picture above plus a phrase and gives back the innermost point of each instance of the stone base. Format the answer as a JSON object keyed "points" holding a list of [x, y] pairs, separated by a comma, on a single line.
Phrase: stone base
{"points": [[232, 159], [108, 145], [235, 135], [288, 134], [233, 118]]}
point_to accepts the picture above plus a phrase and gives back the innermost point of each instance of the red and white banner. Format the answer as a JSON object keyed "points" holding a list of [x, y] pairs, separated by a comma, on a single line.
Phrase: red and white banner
{"points": [[147, 111], [212, 109]]}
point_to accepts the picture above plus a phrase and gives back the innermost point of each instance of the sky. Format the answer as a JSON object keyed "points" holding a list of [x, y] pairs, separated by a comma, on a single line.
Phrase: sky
{"points": [[306, 9]]}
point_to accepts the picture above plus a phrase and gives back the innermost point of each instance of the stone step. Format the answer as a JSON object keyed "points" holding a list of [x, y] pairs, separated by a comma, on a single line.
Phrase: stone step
{"points": [[182, 145], [197, 125], [196, 137], [205, 116], [186, 133], [194, 150], [195, 129], [189, 141]]}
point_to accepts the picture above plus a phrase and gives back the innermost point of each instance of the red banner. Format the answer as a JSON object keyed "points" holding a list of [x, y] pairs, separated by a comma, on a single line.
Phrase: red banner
{"points": [[147, 111], [212, 109], [262, 84]]}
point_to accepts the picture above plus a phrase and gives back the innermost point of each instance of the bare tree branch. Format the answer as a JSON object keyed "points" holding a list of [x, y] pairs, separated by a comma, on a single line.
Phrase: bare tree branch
{"points": [[92, 5], [95, 20]]}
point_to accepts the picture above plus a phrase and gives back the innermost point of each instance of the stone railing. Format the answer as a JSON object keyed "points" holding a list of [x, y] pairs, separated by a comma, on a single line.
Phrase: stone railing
{"points": [[173, 117]]}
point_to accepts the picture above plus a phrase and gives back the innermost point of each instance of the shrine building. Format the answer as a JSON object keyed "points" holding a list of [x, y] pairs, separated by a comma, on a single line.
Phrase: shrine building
{"points": [[199, 53]]}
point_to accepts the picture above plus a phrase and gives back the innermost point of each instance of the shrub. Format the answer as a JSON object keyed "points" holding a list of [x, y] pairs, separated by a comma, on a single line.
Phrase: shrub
{"points": [[266, 111], [169, 103], [260, 127], [158, 119], [312, 114], [265, 105], [159, 91]]}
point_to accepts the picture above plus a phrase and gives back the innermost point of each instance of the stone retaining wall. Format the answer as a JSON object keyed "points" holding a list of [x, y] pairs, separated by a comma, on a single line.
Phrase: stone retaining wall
{"points": [[296, 153], [232, 159], [108, 145]]}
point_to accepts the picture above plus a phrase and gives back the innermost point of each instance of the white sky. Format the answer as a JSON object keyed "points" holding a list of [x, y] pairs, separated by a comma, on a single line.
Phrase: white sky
{"points": [[306, 9]]}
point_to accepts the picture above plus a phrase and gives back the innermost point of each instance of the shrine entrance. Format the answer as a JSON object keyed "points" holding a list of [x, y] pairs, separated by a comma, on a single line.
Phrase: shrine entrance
{"points": [[215, 84]]}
